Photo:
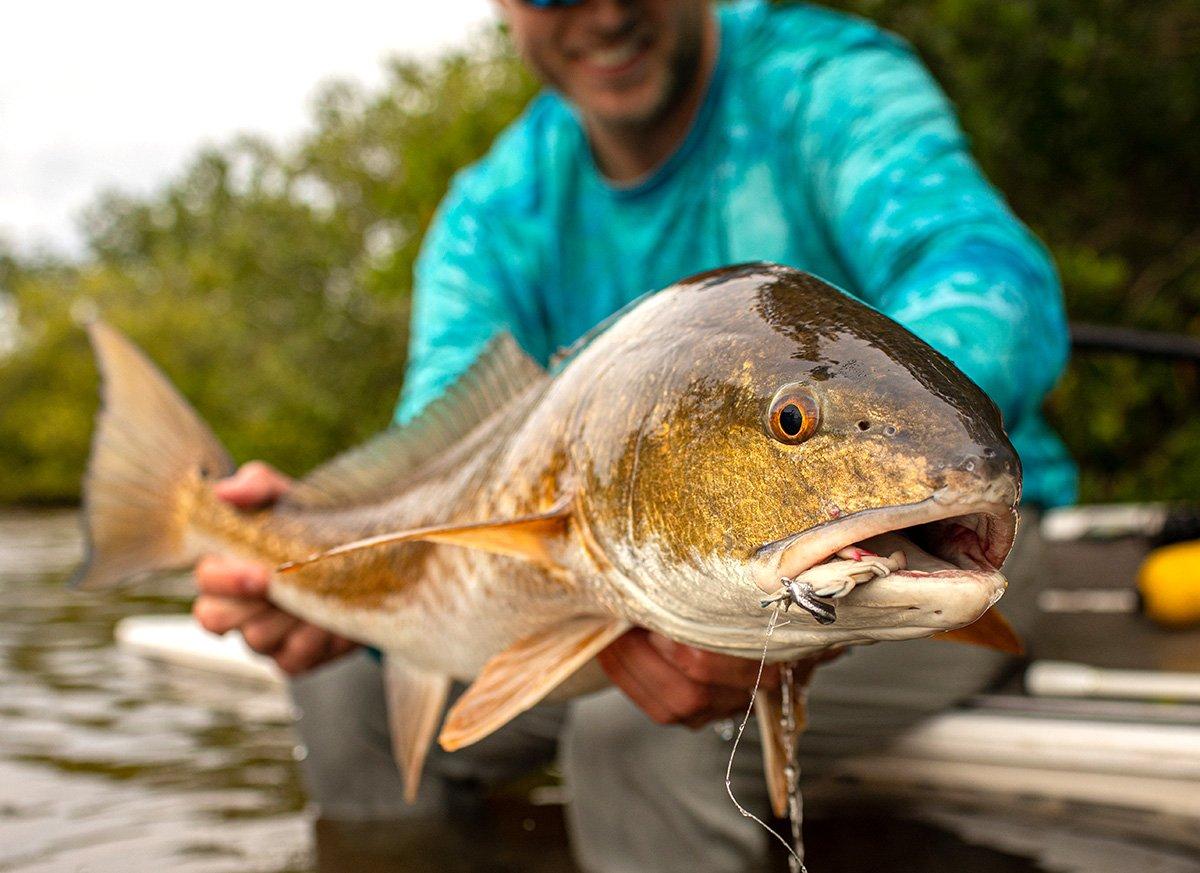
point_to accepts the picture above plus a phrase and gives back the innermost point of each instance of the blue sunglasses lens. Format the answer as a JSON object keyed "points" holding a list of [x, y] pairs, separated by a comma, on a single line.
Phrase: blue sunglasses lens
{"points": [[550, 4]]}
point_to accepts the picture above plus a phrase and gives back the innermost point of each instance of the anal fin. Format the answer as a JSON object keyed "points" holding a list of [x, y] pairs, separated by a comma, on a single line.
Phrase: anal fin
{"points": [[523, 674], [768, 712], [415, 700]]}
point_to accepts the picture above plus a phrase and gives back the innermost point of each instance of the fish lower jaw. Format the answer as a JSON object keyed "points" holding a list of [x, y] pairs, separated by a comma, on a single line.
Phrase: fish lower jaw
{"points": [[900, 606]]}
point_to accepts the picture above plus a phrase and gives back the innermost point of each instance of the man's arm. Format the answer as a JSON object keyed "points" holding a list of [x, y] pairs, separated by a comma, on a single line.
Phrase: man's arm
{"points": [[463, 295], [924, 236]]}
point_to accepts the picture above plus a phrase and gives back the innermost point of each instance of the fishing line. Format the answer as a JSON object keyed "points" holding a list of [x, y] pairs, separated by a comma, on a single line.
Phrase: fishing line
{"points": [[738, 738]]}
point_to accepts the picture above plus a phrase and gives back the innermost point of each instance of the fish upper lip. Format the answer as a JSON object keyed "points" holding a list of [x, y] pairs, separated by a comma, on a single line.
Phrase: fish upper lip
{"points": [[805, 549]]}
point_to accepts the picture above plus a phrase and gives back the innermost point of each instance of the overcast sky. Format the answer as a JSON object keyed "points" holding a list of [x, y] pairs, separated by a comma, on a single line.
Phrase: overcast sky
{"points": [[121, 92]]}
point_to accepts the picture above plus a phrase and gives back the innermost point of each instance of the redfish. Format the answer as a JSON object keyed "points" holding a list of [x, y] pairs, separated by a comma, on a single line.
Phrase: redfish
{"points": [[747, 436]]}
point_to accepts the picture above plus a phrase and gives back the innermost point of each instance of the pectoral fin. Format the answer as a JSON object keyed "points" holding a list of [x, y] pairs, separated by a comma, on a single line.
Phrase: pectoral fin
{"points": [[523, 674], [534, 538], [415, 700], [990, 630]]}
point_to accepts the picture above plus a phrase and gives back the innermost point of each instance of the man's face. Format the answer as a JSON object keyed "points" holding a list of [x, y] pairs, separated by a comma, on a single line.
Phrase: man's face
{"points": [[623, 63]]}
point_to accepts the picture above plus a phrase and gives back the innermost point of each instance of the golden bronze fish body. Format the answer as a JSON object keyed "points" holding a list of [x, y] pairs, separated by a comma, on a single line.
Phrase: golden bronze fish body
{"points": [[727, 433]]}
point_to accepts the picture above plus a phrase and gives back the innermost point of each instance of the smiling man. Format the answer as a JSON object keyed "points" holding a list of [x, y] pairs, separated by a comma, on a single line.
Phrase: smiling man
{"points": [[674, 137]]}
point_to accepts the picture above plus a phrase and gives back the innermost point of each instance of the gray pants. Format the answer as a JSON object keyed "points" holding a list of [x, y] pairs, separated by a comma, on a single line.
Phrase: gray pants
{"points": [[643, 797]]}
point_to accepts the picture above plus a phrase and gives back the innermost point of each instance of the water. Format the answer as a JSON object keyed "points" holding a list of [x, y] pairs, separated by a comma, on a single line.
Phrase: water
{"points": [[108, 763]]}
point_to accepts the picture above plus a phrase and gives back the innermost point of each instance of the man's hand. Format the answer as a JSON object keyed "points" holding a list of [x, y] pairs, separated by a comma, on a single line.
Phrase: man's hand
{"points": [[233, 591], [676, 684]]}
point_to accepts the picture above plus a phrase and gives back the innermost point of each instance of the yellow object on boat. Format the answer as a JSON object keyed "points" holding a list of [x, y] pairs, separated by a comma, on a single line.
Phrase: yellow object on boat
{"points": [[1169, 584]]}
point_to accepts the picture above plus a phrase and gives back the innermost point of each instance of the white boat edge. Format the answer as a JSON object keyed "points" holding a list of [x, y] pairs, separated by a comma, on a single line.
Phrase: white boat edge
{"points": [[180, 641]]}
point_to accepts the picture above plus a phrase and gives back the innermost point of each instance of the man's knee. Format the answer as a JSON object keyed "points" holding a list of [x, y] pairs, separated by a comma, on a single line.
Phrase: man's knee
{"points": [[648, 797], [342, 722], [349, 767]]}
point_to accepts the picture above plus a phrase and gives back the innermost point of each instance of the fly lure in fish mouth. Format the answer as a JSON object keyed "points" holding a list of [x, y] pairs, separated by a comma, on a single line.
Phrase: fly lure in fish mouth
{"points": [[795, 591], [813, 589]]}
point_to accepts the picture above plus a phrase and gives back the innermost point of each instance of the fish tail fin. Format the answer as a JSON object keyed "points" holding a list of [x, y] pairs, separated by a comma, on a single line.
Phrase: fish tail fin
{"points": [[148, 445]]}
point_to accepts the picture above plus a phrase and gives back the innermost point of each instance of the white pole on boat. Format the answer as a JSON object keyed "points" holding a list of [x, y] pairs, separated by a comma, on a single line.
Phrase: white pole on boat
{"points": [[1063, 679]]}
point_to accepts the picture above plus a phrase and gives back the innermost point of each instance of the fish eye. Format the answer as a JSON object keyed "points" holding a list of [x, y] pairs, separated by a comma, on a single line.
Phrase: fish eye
{"points": [[793, 415]]}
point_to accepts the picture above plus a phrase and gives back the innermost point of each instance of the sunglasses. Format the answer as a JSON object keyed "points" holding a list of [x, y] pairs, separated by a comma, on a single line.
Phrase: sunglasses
{"points": [[551, 4]]}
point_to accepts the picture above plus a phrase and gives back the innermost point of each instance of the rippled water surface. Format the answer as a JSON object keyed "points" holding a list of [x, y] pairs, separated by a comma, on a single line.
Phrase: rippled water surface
{"points": [[111, 763]]}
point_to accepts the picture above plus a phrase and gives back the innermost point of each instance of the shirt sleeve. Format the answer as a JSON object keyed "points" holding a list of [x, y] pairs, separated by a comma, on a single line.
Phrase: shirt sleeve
{"points": [[461, 300], [923, 235]]}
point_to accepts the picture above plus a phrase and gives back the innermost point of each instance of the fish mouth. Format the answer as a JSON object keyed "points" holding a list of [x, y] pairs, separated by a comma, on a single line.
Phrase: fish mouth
{"points": [[953, 546]]}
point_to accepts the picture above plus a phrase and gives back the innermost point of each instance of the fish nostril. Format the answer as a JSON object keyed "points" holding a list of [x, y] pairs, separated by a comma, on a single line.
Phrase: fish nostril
{"points": [[890, 430], [864, 425], [970, 463]]}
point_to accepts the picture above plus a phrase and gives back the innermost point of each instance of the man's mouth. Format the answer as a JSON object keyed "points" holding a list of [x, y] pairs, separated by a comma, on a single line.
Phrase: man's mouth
{"points": [[618, 58]]}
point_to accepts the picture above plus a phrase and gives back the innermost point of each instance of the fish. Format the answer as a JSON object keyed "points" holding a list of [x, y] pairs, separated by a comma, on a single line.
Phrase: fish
{"points": [[747, 437]]}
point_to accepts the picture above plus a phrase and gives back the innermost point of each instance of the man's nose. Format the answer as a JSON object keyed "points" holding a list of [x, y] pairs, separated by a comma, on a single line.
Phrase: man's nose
{"points": [[611, 17]]}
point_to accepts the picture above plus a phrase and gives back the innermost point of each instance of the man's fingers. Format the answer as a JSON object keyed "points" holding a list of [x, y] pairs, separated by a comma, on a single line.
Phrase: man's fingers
{"points": [[658, 679], [266, 633], [675, 683], [253, 486], [220, 615], [227, 576], [709, 668], [617, 670], [340, 646], [722, 703], [305, 647]]}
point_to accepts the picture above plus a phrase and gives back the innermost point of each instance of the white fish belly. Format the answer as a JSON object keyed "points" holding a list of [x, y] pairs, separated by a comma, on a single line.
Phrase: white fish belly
{"points": [[451, 626]]}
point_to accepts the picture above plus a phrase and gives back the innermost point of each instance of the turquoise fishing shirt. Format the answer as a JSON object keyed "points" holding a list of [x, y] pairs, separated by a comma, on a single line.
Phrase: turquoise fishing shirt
{"points": [[822, 143]]}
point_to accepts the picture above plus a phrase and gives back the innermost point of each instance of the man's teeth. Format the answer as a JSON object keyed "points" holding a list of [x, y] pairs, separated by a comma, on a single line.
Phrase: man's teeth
{"points": [[616, 56]]}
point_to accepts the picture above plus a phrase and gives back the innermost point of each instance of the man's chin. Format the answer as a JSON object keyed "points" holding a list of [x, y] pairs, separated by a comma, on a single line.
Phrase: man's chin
{"points": [[626, 110]]}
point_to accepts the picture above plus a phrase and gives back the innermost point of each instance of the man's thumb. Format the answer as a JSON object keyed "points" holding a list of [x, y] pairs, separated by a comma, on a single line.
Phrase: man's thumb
{"points": [[253, 486]]}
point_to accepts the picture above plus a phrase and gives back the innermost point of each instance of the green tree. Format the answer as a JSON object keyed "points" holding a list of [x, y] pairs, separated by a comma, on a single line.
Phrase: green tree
{"points": [[272, 286]]}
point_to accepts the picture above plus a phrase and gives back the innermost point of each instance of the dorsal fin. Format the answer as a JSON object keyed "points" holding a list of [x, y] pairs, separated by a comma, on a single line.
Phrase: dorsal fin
{"points": [[378, 467]]}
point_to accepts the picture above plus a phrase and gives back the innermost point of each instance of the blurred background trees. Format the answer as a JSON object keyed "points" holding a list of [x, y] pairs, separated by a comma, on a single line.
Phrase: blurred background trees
{"points": [[1086, 114], [273, 284]]}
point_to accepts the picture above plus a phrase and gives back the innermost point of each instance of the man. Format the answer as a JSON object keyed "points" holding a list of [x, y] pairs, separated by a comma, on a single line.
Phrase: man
{"points": [[675, 137]]}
